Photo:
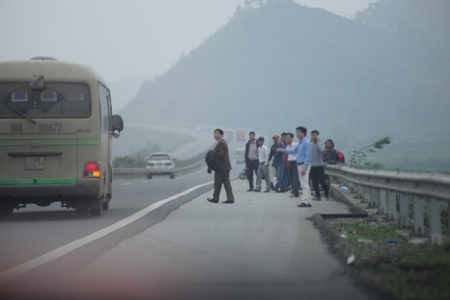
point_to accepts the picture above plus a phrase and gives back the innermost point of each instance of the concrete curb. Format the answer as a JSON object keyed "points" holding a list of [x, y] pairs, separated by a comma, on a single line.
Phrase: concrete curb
{"points": [[343, 248], [341, 197]]}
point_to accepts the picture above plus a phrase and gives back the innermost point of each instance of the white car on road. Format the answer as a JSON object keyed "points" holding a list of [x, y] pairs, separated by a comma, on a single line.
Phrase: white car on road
{"points": [[160, 164]]}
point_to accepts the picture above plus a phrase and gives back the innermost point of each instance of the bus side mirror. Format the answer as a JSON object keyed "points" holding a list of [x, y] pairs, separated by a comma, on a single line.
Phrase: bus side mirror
{"points": [[117, 124]]}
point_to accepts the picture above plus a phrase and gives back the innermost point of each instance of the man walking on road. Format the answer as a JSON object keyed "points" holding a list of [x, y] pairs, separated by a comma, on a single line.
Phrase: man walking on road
{"points": [[317, 170], [222, 169], [263, 170], [303, 151], [251, 159]]}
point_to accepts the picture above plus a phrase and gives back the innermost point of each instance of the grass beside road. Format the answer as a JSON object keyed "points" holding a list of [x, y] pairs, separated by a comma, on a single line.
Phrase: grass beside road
{"points": [[407, 270]]}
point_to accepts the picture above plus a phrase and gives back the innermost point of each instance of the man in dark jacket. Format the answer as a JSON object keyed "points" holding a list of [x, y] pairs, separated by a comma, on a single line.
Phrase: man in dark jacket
{"points": [[222, 169], [329, 157], [251, 159], [278, 163]]}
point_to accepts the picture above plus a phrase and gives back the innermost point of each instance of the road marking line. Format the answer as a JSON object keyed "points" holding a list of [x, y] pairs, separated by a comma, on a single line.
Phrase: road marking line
{"points": [[63, 250], [128, 183]]}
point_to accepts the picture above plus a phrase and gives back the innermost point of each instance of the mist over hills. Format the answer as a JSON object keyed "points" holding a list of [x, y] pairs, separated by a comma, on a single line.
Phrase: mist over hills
{"points": [[281, 65], [126, 89]]}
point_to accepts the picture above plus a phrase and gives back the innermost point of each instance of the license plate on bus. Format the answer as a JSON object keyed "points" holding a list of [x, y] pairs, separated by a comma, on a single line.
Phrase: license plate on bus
{"points": [[35, 163]]}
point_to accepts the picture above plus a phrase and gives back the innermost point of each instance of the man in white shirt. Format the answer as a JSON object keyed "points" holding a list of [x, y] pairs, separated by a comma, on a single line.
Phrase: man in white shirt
{"points": [[251, 159], [292, 170], [263, 170]]}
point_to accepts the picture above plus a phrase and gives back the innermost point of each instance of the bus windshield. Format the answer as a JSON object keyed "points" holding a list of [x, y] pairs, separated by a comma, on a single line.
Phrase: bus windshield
{"points": [[57, 100]]}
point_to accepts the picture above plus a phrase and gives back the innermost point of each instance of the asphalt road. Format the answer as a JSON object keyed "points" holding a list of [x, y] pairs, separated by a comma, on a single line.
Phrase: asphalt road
{"points": [[261, 247], [33, 231], [186, 248]]}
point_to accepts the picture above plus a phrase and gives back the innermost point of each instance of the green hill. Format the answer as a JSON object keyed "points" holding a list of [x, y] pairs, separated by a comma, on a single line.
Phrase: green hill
{"points": [[282, 64]]}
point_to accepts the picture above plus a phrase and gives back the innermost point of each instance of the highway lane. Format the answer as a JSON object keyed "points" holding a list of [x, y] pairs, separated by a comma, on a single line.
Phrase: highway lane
{"points": [[261, 247], [35, 230]]}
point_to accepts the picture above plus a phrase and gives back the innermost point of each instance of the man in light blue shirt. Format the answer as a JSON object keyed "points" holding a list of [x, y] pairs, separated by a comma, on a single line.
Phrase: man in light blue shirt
{"points": [[303, 151]]}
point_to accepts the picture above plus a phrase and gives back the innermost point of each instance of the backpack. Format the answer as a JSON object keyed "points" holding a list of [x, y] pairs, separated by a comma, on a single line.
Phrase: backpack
{"points": [[340, 156]]}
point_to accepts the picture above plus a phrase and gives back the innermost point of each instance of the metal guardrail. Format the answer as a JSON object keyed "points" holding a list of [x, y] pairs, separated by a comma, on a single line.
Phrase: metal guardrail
{"points": [[179, 171], [382, 190]]}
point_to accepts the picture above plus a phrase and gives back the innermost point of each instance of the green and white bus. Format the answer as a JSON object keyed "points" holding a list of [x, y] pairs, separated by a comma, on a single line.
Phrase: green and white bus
{"points": [[56, 129]]}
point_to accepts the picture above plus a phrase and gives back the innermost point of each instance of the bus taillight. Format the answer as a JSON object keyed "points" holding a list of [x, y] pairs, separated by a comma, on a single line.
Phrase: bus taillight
{"points": [[91, 169]]}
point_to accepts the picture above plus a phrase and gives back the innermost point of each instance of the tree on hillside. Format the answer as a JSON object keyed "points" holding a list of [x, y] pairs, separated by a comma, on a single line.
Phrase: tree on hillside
{"points": [[358, 157], [259, 3]]}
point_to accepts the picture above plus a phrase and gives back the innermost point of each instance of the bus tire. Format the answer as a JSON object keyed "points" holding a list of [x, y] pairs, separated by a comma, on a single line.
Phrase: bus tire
{"points": [[5, 210], [82, 212], [105, 206], [96, 206], [172, 176], [149, 176]]}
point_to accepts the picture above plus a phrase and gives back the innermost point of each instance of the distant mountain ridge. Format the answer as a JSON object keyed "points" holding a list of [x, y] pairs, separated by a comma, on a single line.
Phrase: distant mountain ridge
{"points": [[123, 91], [281, 65]]}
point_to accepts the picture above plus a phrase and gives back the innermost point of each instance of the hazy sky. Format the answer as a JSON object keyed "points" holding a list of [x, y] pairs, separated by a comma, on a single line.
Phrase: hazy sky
{"points": [[121, 38]]}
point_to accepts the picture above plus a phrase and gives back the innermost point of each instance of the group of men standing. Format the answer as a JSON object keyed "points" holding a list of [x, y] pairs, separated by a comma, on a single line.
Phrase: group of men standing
{"points": [[295, 164]]}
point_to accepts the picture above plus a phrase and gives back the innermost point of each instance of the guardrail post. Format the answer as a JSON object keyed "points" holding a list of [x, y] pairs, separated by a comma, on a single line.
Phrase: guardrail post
{"points": [[374, 197], [392, 205], [435, 222], [448, 217], [359, 192], [419, 227], [366, 194], [404, 210], [351, 186], [382, 204]]}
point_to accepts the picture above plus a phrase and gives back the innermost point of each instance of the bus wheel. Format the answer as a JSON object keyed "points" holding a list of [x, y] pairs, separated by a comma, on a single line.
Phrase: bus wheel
{"points": [[96, 208], [5, 210], [82, 212], [149, 176], [105, 205]]}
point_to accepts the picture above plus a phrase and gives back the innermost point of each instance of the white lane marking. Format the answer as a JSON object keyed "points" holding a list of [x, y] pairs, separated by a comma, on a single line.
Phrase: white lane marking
{"points": [[63, 250], [128, 183]]}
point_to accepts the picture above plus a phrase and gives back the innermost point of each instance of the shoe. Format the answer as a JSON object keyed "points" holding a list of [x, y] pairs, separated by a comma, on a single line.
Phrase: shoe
{"points": [[293, 196], [267, 191], [317, 199], [212, 200], [249, 190], [302, 205], [309, 205], [257, 191], [281, 191], [228, 201], [327, 197]]}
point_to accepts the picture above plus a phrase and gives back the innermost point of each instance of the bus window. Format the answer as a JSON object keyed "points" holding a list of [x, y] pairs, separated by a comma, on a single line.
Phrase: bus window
{"points": [[19, 96], [104, 108], [49, 96], [57, 100]]}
